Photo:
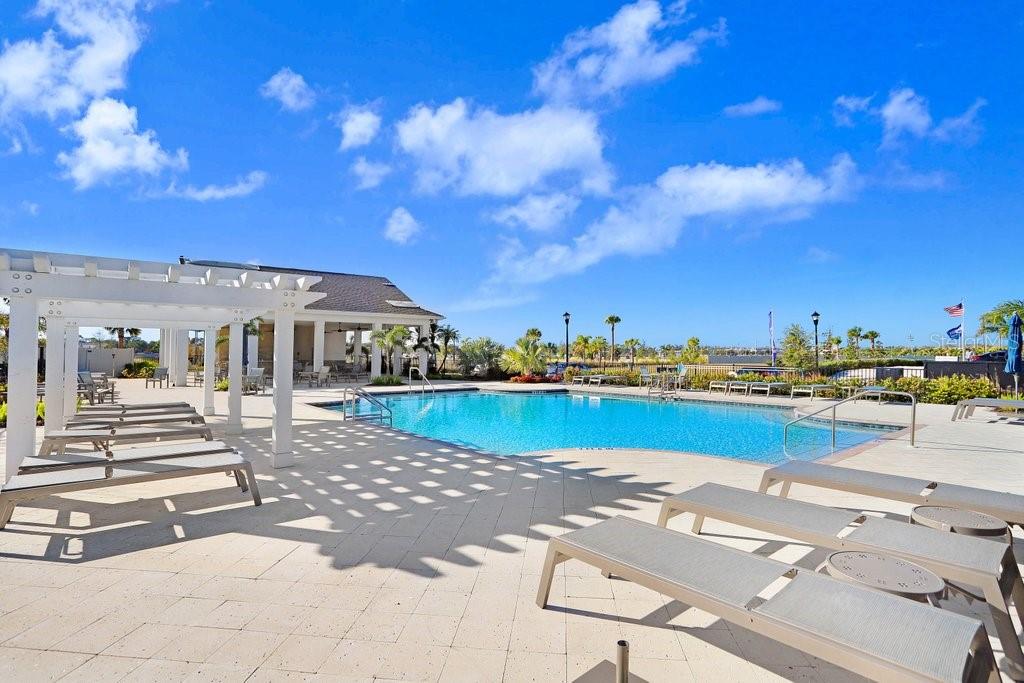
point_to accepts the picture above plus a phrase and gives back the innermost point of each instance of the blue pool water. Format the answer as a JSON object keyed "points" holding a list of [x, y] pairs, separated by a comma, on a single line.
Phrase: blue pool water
{"points": [[510, 423]]}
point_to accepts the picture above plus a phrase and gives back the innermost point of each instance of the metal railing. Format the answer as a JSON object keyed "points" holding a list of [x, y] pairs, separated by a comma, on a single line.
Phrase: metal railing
{"points": [[382, 413], [424, 382], [866, 391]]}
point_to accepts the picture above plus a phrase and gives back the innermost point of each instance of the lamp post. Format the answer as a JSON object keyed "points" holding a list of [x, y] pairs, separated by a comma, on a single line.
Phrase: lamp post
{"points": [[565, 317], [815, 317]]}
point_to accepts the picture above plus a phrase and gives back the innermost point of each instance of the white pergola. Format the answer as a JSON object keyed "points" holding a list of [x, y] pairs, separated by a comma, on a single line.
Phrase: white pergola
{"points": [[72, 291]]}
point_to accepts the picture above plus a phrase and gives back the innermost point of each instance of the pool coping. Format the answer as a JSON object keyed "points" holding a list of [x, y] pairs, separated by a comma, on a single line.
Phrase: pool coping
{"points": [[887, 430]]}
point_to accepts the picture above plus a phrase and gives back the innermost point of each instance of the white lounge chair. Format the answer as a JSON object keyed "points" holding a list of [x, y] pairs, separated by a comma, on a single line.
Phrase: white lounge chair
{"points": [[965, 409], [809, 389], [70, 461], [39, 484], [956, 558], [135, 419], [1005, 506], [740, 385], [874, 634], [718, 384], [102, 438], [130, 407], [766, 387]]}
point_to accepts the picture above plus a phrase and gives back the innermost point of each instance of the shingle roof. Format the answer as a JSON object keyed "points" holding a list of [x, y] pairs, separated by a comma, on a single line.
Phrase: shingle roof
{"points": [[345, 291]]}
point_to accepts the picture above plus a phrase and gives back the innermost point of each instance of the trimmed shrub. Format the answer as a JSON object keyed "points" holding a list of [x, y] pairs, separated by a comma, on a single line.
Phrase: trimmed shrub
{"points": [[140, 369], [387, 381], [535, 379], [221, 385]]}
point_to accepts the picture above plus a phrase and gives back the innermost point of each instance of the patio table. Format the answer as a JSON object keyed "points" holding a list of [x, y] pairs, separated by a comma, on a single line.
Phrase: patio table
{"points": [[884, 573], [960, 521]]}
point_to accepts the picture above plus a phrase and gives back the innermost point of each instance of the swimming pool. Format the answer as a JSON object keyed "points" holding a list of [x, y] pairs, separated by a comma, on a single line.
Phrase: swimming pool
{"points": [[510, 423]]}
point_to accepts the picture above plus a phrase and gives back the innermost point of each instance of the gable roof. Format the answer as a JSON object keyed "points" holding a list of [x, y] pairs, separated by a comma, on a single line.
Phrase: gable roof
{"points": [[345, 291]]}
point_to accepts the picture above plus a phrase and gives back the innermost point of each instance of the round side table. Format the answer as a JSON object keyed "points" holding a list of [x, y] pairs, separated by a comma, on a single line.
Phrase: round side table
{"points": [[889, 574], [960, 521]]}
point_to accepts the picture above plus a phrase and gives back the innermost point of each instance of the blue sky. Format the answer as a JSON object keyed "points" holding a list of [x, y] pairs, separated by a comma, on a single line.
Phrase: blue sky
{"points": [[686, 166]]}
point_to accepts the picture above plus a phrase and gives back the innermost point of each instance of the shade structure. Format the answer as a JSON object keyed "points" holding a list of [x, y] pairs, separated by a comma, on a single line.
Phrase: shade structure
{"points": [[1013, 351]]}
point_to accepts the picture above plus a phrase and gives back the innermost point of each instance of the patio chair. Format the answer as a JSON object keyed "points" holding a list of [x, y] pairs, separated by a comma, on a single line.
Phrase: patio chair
{"points": [[956, 558], [1005, 506], [874, 634], [646, 378], [766, 387], [254, 381], [101, 421], [159, 377], [94, 392], [101, 438], [39, 484], [322, 377], [965, 409], [809, 389]]}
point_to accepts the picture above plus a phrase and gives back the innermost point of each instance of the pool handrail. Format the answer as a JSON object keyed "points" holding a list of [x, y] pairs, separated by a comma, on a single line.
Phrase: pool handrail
{"points": [[424, 382], [866, 391]]}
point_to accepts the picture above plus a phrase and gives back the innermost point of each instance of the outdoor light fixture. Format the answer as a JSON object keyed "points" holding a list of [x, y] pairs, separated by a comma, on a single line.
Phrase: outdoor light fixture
{"points": [[565, 317], [815, 317]]}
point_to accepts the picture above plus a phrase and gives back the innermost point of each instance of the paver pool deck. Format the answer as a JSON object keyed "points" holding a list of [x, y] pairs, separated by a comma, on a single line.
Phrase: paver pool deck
{"points": [[384, 556]]}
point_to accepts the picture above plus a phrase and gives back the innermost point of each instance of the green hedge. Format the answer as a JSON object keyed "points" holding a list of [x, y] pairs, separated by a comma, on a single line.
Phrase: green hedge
{"points": [[139, 369]]}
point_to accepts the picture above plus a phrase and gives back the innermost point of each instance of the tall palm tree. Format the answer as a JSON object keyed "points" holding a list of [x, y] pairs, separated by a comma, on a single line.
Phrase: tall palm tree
{"points": [[533, 333], [598, 346], [581, 346], [853, 337], [997, 321], [872, 337], [525, 358], [389, 341], [612, 321], [447, 335], [632, 344], [122, 332]]}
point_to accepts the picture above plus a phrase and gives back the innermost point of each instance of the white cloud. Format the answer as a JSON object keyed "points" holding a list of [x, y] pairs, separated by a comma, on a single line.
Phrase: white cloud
{"points": [[242, 187], [401, 227], [85, 56], [370, 173], [625, 50], [907, 113], [538, 212], [31, 208], [359, 126], [819, 255], [483, 152], [651, 219], [899, 176], [110, 144], [845, 106], [755, 107], [290, 89]]}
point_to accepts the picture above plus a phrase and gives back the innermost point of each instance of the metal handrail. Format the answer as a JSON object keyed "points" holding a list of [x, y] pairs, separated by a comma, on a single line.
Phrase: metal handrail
{"points": [[424, 382], [383, 410], [866, 391]]}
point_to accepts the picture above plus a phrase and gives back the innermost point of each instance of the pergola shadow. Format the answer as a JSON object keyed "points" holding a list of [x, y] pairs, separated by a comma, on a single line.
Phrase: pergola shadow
{"points": [[362, 494]]}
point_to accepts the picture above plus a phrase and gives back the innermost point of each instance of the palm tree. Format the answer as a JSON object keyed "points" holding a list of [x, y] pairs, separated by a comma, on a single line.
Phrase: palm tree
{"points": [[122, 332], [853, 337], [429, 344], [389, 341], [533, 333], [524, 358], [448, 335], [598, 346], [581, 346], [612, 321], [997, 321], [632, 344], [833, 342], [872, 337], [551, 349]]}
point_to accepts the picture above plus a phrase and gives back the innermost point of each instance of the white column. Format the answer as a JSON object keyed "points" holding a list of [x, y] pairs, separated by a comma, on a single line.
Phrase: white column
{"points": [[167, 356], [54, 374], [284, 345], [375, 354], [318, 344], [253, 342], [209, 369], [70, 369], [180, 376], [424, 355], [356, 341], [22, 354], [234, 424]]}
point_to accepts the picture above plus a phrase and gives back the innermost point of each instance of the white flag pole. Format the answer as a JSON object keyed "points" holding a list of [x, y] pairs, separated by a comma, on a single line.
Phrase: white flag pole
{"points": [[963, 329]]}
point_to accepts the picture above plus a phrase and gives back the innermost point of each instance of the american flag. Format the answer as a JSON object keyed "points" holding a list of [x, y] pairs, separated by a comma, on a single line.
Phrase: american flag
{"points": [[956, 311]]}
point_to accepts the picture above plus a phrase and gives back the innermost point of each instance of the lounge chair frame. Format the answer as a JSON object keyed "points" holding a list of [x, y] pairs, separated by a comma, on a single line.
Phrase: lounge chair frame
{"points": [[960, 559], [763, 614], [101, 439], [965, 409]]}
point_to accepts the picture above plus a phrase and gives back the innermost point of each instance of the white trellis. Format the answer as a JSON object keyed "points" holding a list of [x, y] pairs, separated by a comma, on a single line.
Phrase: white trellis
{"points": [[72, 291]]}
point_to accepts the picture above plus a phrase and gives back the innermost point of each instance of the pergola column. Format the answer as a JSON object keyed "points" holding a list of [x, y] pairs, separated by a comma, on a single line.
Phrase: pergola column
{"points": [[54, 373], [424, 355], [253, 343], [70, 369], [209, 369], [22, 352], [180, 377], [234, 423], [284, 345], [318, 344], [162, 360], [375, 353]]}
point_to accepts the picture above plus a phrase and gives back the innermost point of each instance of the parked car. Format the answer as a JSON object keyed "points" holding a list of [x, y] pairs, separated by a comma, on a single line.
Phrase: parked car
{"points": [[991, 356]]}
